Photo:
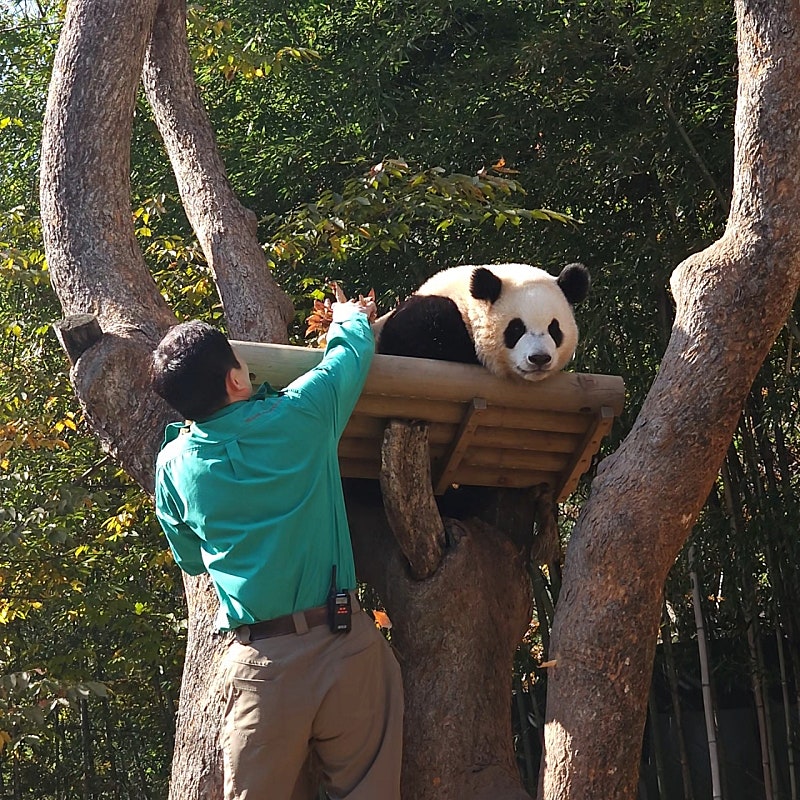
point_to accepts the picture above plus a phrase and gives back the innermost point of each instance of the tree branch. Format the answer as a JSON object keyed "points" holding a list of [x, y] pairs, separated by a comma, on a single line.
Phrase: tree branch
{"points": [[255, 307], [408, 496]]}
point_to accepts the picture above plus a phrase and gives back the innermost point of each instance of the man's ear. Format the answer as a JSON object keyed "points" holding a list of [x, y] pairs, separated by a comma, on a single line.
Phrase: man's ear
{"points": [[237, 384]]}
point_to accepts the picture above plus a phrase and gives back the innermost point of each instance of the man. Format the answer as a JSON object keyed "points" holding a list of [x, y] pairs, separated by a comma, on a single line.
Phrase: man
{"points": [[250, 492]]}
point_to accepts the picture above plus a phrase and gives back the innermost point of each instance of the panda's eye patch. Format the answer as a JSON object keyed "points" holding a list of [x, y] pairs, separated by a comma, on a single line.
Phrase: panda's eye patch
{"points": [[554, 329], [514, 331]]}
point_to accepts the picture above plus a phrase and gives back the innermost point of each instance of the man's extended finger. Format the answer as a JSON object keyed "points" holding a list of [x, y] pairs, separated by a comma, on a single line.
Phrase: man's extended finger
{"points": [[340, 295]]}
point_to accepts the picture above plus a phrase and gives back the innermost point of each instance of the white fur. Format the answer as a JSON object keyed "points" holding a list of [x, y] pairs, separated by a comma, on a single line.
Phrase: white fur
{"points": [[529, 293]]}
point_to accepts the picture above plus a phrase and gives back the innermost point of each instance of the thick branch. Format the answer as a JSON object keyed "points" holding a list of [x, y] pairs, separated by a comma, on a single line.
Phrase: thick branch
{"points": [[77, 334], [255, 307], [94, 260], [408, 496]]}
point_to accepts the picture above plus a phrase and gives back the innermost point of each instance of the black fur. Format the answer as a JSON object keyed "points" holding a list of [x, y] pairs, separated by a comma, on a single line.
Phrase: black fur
{"points": [[554, 329], [438, 331], [514, 331], [574, 282], [485, 285]]}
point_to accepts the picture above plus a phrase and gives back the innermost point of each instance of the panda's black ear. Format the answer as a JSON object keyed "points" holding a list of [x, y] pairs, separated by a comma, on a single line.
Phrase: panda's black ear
{"points": [[574, 282], [485, 285]]}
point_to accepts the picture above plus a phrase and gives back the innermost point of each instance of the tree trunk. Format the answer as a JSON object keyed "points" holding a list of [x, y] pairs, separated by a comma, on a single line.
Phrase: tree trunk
{"points": [[463, 621], [731, 302]]}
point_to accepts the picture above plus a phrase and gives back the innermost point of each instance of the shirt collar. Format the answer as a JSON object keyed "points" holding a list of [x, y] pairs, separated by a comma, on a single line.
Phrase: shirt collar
{"points": [[263, 391]]}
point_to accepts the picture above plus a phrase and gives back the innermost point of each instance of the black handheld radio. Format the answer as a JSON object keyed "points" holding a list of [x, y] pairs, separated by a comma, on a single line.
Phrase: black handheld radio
{"points": [[340, 613]]}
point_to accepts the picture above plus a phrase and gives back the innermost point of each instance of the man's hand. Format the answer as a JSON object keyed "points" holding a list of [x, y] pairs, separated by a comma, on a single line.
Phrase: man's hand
{"points": [[364, 304]]}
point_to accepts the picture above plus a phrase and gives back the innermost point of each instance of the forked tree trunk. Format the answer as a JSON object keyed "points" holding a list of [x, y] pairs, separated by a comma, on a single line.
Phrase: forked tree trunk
{"points": [[732, 300], [452, 618]]}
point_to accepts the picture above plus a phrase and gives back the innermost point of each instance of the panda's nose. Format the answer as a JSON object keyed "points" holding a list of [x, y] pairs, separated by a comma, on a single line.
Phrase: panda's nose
{"points": [[539, 359]]}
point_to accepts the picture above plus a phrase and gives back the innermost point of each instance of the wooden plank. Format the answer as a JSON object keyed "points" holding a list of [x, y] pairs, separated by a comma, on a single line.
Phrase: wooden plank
{"points": [[364, 427], [399, 376], [582, 459], [459, 445], [498, 458], [480, 476], [368, 451], [495, 416], [517, 439]]}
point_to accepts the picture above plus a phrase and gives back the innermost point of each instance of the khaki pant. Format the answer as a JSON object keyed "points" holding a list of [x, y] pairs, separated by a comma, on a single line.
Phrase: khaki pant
{"points": [[336, 697]]}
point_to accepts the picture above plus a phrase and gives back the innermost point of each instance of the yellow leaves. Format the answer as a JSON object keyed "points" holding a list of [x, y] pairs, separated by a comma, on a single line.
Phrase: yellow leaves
{"points": [[6, 121], [33, 436], [5, 739], [120, 524], [163, 558], [67, 423]]}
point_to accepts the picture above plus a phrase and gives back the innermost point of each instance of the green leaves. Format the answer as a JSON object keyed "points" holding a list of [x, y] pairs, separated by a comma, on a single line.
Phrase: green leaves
{"points": [[216, 51], [382, 207]]}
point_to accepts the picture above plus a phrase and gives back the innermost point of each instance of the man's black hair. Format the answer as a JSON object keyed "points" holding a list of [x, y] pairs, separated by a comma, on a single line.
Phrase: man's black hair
{"points": [[189, 368]]}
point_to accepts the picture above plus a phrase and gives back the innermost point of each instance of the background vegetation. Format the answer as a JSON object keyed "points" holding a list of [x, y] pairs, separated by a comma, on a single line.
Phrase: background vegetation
{"points": [[379, 141]]}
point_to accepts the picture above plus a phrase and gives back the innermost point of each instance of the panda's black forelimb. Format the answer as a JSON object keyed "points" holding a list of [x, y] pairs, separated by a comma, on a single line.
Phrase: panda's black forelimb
{"points": [[427, 326]]}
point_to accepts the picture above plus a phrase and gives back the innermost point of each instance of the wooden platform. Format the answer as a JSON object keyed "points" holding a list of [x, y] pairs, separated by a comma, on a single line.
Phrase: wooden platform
{"points": [[483, 430]]}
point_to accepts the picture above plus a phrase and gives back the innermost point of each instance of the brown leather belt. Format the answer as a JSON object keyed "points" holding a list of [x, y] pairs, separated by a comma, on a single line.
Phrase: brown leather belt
{"points": [[280, 626]]}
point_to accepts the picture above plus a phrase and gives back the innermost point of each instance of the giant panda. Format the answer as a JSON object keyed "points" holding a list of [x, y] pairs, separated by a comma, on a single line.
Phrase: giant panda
{"points": [[515, 319]]}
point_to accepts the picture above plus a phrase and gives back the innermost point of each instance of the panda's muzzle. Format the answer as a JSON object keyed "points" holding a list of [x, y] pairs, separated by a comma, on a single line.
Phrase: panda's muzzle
{"points": [[539, 360]]}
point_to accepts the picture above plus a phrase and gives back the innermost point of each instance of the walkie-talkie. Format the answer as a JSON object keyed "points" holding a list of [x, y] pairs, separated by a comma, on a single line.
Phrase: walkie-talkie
{"points": [[339, 611]]}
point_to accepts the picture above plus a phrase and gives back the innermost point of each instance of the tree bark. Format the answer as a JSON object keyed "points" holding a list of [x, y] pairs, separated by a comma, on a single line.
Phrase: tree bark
{"points": [[464, 748], [732, 300], [255, 308], [464, 621]]}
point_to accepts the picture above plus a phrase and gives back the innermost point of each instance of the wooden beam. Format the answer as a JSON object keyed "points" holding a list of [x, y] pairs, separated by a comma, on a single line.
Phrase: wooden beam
{"points": [[584, 454], [399, 376], [459, 444]]}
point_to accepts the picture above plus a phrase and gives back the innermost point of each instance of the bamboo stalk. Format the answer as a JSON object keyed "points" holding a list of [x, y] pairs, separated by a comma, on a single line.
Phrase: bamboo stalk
{"points": [[524, 726], [705, 672], [658, 747], [86, 750], [677, 711], [761, 717], [787, 714], [544, 609]]}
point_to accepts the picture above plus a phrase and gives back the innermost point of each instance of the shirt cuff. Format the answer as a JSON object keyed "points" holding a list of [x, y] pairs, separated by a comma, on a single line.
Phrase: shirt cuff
{"points": [[345, 311]]}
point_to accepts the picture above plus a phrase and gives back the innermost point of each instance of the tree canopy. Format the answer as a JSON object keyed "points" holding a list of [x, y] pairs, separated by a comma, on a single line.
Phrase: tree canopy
{"points": [[376, 143]]}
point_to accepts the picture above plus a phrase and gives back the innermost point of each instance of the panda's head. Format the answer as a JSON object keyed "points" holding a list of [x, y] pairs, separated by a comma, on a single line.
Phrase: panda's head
{"points": [[522, 319]]}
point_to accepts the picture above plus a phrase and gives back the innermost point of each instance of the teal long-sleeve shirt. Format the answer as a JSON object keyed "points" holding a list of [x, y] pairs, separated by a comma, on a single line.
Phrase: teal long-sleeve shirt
{"points": [[253, 494]]}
